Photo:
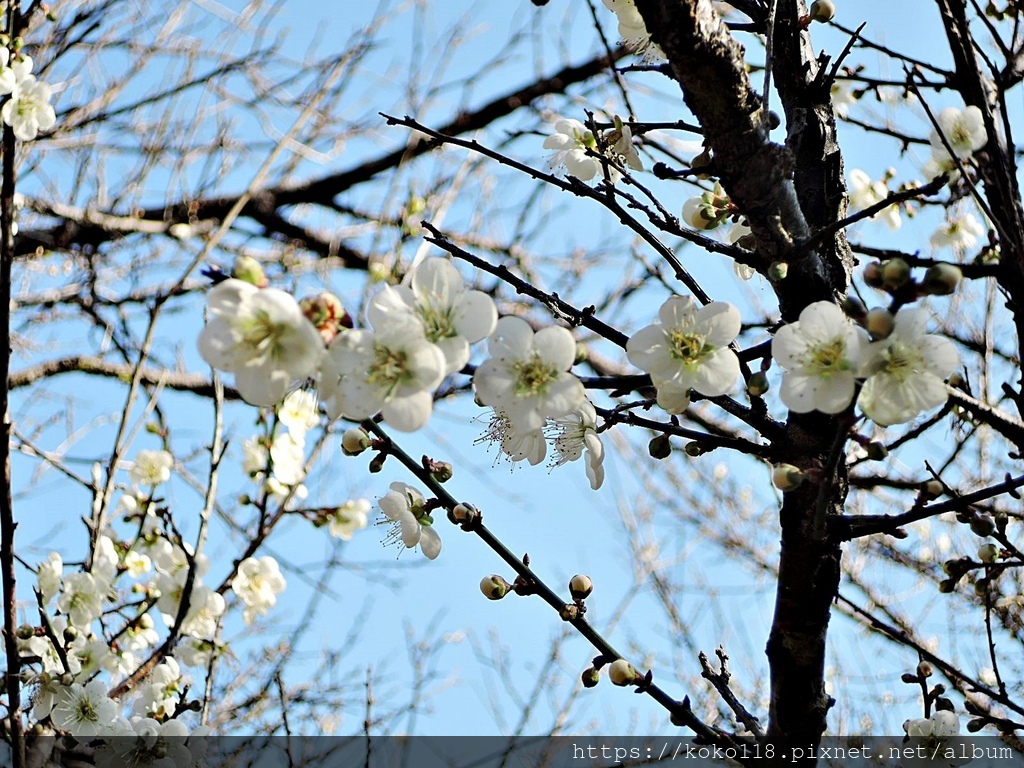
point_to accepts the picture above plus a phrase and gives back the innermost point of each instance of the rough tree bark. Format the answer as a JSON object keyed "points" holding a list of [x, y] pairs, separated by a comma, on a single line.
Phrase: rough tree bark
{"points": [[787, 192]]}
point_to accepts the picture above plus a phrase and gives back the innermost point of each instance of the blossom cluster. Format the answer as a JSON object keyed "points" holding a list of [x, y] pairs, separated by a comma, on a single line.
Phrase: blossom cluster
{"points": [[963, 130], [28, 110], [63, 657], [579, 151], [899, 369]]}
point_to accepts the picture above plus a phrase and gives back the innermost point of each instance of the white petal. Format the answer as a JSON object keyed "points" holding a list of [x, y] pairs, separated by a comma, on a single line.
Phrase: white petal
{"points": [[511, 340], [721, 323], [409, 413], [437, 283], [430, 543], [474, 316], [717, 373], [556, 346], [673, 400]]}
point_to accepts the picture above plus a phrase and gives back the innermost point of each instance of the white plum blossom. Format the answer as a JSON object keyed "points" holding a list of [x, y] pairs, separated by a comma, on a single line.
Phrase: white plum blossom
{"points": [[82, 599], [193, 652], [392, 370], [298, 412], [8, 77], [257, 583], [141, 634], [942, 725], [403, 505], [621, 149], [350, 517], [151, 468], [571, 140], [821, 354], [527, 374], [45, 695], [688, 348], [161, 691], [262, 337], [515, 444], [957, 232], [50, 571], [576, 434], [137, 564], [205, 607], [435, 294], [963, 129], [84, 711], [633, 31], [906, 371], [864, 193], [29, 111], [105, 560], [842, 98]]}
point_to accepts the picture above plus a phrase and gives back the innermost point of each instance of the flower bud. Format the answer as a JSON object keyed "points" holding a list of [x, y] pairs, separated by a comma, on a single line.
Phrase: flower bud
{"points": [[377, 271], [854, 308], [621, 672], [694, 449], [873, 274], [590, 677], [895, 274], [580, 587], [942, 279], [700, 214], [465, 513], [569, 612], [822, 11], [786, 477], [67, 679], [327, 314], [377, 462], [660, 447], [441, 471], [778, 270], [981, 587], [494, 587], [988, 553], [26, 631], [582, 353], [946, 586], [247, 269], [774, 121], [924, 669], [930, 490], [876, 451], [879, 323], [983, 525], [703, 160], [758, 384], [354, 441]]}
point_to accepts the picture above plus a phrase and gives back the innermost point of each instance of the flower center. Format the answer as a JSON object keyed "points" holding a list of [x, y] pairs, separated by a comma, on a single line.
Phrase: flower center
{"points": [[533, 376], [86, 711], [828, 359], [437, 324], [687, 346], [261, 333], [388, 368], [901, 361]]}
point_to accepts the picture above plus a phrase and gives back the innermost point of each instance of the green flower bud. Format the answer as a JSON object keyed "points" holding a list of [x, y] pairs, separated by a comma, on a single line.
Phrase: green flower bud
{"points": [[895, 274], [822, 11], [876, 451], [590, 677], [758, 384], [494, 587], [621, 672], [873, 274], [879, 323], [983, 524], [988, 553], [942, 279], [660, 447], [786, 477], [694, 449], [778, 270], [354, 441], [246, 268], [580, 587]]}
